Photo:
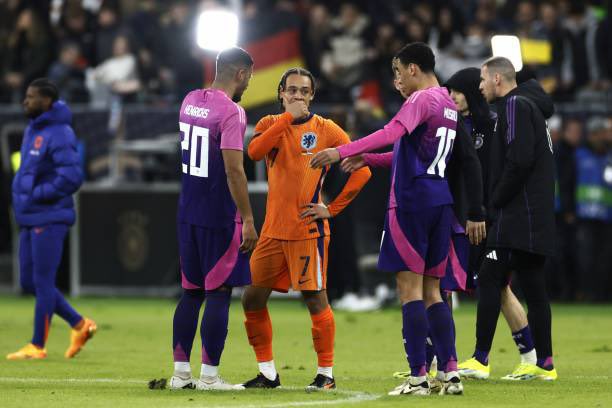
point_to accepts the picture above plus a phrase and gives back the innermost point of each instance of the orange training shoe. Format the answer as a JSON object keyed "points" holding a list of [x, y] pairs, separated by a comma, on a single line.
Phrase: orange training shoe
{"points": [[78, 337], [28, 352]]}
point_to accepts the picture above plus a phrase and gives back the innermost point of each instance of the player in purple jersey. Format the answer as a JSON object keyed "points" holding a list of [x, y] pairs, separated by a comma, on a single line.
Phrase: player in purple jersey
{"points": [[416, 238], [215, 221]]}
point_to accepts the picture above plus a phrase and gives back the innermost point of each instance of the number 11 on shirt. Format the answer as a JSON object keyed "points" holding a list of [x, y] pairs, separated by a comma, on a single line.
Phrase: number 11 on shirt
{"points": [[192, 139]]}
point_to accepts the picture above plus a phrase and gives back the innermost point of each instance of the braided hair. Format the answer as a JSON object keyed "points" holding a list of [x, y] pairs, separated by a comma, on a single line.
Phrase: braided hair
{"points": [[283, 82]]}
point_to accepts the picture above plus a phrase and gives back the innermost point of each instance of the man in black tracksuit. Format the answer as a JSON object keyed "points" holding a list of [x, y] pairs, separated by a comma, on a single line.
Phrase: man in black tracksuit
{"points": [[479, 122], [521, 209]]}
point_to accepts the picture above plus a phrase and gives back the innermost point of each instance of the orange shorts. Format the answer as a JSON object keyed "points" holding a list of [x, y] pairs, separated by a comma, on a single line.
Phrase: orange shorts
{"points": [[279, 264]]}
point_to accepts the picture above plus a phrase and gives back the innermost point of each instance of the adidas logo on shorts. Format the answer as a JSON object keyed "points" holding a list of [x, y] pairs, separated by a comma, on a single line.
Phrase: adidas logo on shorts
{"points": [[492, 255]]}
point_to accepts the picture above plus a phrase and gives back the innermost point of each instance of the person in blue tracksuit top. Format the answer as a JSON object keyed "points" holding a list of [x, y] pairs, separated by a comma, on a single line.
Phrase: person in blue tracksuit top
{"points": [[50, 172]]}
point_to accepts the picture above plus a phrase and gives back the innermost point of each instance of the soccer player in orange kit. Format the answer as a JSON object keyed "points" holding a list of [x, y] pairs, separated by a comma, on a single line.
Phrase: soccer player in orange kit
{"points": [[292, 250]]}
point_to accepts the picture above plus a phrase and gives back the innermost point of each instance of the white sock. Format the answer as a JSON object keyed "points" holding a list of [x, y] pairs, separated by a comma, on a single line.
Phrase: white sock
{"points": [[209, 371], [268, 369], [326, 371], [451, 374], [182, 369], [417, 380], [529, 357]]}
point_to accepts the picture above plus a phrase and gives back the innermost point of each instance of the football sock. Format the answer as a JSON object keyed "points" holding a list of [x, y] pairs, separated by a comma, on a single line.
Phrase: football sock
{"points": [[185, 323], [214, 325], [323, 336], [268, 369], [546, 363], [182, 369], [414, 331], [441, 328], [259, 331], [481, 356], [326, 371], [209, 371], [533, 283], [524, 343]]}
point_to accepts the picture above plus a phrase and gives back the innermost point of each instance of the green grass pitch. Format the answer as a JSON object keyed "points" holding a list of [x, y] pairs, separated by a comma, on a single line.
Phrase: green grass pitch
{"points": [[133, 345]]}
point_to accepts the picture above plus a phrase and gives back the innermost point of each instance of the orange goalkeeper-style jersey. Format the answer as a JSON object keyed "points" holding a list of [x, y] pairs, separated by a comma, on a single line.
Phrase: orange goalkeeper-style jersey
{"points": [[288, 147]]}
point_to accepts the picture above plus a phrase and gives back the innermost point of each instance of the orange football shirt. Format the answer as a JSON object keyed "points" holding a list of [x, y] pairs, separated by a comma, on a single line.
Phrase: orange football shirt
{"points": [[292, 183]]}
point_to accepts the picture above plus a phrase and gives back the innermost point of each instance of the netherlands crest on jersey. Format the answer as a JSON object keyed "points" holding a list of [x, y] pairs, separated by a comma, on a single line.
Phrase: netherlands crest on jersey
{"points": [[309, 141]]}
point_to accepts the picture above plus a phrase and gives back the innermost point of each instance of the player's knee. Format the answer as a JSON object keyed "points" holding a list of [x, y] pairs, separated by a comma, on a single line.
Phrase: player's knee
{"points": [[194, 293], [254, 299], [407, 290], [316, 302], [220, 292]]}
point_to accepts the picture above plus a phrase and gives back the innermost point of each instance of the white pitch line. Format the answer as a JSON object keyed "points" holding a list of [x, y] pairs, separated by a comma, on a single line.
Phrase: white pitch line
{"points": [[353, 397], [71, 380]]}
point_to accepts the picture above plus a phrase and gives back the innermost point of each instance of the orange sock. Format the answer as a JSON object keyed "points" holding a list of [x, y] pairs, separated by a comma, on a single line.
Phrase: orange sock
{"points": [[323, 336], [259, 330]]}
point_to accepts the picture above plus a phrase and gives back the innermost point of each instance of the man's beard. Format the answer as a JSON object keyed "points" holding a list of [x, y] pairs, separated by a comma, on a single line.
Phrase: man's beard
{"points": [[237, 97], [33, 114]]}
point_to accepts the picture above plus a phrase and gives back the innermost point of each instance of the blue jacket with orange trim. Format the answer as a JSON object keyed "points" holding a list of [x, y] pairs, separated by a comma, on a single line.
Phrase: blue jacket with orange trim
{"points": [[50, 170]]}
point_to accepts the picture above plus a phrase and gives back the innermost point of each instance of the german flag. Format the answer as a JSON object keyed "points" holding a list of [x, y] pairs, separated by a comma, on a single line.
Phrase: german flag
{"points": [[275, 47]]}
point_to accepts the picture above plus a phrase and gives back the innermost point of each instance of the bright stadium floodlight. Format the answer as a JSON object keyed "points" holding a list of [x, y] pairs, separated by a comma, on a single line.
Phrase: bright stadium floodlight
{"points": [[217, 30], [508, 46]]}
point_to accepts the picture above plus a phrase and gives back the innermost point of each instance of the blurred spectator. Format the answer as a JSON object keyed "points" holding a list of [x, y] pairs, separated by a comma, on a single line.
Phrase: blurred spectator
{"points": [[562, 269], [117, 75], [30, 50], [525, 18], [594, 210], [445, 35], [77, 26], [182, 67], [68, 74], [386, 45], [145, 25], [603, 44], [108, 29], [347, 49], [549, 28], [314, 36], [580, 64]]}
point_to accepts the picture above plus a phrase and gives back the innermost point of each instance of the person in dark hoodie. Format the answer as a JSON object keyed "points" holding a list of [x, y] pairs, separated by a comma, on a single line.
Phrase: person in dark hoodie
{"points": [[521, 209], [478, 121], [50, 172]]}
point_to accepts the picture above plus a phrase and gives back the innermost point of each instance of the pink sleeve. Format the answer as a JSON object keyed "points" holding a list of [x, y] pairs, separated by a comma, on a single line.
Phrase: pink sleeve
{"points": [[232, 130], [412, 113], [378, 159], [381, 138]]}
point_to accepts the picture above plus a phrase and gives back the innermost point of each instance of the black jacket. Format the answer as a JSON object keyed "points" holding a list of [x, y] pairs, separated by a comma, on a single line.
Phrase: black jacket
{"points": [[465, 178], [521, 172], [479, 127]]}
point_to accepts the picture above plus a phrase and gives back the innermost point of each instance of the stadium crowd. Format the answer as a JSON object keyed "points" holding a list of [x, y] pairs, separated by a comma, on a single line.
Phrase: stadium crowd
{"points": [[144, 51]]}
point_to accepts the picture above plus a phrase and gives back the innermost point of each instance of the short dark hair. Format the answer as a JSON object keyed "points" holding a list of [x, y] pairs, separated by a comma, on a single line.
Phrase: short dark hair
{"points": [[417, 53], [502, 66], [297, 71], [46, 88], [232, 59]]}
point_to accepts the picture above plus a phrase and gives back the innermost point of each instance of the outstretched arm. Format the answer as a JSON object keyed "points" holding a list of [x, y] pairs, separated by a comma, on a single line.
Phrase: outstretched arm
{"points": [[381, 138], [378, 159]]}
